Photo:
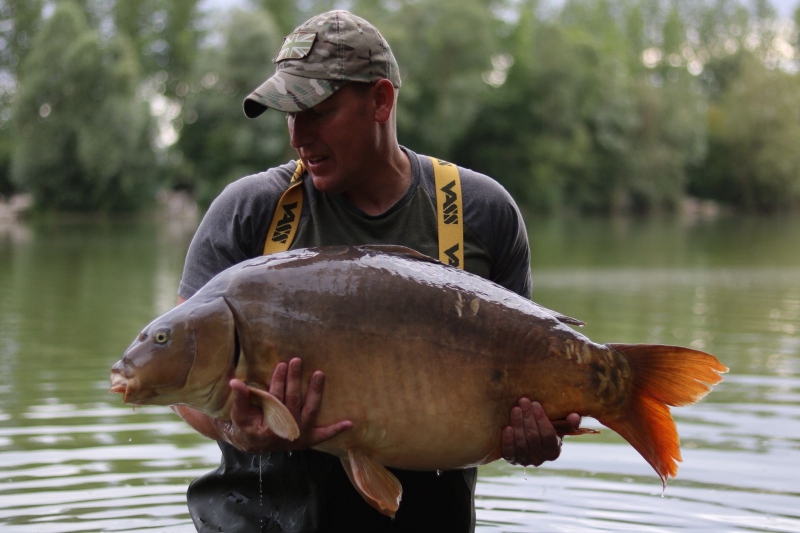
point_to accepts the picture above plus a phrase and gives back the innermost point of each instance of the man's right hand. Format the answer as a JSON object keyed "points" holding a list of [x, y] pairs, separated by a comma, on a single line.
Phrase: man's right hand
{"points": [[247, 430]]}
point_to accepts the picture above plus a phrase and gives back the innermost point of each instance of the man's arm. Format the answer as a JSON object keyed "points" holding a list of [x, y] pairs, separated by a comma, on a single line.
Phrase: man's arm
{"points": [[247, 429]]}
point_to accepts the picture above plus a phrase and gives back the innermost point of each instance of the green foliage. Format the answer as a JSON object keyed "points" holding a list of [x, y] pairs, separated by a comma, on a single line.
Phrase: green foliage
{"points": [[441, 63], [754, 131], [19, 20], [287, 15], [598, 106], [578, 124], [82, 137], [165, 34], [217, 143], [7, 187]]}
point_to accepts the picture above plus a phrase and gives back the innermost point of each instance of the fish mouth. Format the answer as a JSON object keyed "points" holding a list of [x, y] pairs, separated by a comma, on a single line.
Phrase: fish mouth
{"points": [[119, 382]]}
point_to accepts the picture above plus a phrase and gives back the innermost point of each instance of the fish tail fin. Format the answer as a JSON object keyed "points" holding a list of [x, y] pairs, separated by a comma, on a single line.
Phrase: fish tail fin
{"points": [[662, 376]]}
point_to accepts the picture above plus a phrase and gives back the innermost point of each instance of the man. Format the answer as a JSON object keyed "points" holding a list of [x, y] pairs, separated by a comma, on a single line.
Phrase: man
{"points": [[337, 81]]}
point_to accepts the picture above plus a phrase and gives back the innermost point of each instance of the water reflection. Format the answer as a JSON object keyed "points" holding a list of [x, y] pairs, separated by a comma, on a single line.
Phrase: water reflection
{"points": [[74, 294]]}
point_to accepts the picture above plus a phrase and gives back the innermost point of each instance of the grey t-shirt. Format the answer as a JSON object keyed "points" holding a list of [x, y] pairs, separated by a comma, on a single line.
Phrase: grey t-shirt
{"points": [[309, 491], [235, 226]]}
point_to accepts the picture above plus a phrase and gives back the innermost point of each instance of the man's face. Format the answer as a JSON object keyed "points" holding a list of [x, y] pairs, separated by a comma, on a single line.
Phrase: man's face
{"points": [[336, 138]]}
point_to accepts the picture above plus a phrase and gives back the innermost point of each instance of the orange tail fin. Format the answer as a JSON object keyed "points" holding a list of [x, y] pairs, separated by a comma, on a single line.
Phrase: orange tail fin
{"points": [[662, 376]]}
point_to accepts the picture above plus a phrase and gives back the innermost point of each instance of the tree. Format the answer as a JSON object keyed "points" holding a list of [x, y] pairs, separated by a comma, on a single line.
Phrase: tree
{"points": [[441, 64], [579, 122], [754, 131], [218, 143], [82, 135], [286, 15], [19, 20], [165, 34]]}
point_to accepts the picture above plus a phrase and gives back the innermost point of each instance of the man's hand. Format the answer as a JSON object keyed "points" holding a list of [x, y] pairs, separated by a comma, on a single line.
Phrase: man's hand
{"points": [[247, 430], [531, 438]]}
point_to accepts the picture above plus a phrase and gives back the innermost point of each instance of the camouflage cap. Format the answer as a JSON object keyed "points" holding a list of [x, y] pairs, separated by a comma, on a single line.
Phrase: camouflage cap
{"points": [[318, 58]]}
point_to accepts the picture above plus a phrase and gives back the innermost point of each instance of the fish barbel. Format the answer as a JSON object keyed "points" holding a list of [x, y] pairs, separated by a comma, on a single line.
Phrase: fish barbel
{"points": [[426, 360]]}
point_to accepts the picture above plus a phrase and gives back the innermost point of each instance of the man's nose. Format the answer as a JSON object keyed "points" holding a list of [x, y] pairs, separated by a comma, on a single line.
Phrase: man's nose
{"points": [[302, 130]]}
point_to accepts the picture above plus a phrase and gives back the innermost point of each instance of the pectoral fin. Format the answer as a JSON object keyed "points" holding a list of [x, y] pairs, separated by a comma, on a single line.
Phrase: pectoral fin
{"points": [[379, 487], [276, 415]]}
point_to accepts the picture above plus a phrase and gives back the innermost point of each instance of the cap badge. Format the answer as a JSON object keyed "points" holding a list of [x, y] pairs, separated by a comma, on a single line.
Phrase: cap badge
{"points": [[296, 45]]}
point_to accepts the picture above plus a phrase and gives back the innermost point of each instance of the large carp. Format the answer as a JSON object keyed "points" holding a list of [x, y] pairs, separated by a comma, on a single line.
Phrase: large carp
{"points": [[425, 360]]}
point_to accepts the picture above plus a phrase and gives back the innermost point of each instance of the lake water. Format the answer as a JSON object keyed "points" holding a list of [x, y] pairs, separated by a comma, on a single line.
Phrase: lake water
{"points": [[74, 294]]}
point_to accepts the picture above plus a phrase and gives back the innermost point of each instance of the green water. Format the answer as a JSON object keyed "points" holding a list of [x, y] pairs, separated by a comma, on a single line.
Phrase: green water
{"points": [[74, 294]]}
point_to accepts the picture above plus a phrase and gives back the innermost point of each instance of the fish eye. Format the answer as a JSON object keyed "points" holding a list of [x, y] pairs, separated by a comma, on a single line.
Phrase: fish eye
{"points": [[161, 337]]}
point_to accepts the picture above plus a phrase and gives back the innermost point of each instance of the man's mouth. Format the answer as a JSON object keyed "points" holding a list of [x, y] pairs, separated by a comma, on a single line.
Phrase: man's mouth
{"points": [[315, 160]]}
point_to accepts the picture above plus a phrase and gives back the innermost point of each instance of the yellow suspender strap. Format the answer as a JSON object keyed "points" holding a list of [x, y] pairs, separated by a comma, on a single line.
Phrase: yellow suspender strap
{"points": [[449, 211], [450, 214], [284, 223]]}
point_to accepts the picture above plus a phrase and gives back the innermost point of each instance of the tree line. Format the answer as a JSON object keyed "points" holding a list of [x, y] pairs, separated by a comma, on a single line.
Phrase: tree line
{"points": [[586, 106]]}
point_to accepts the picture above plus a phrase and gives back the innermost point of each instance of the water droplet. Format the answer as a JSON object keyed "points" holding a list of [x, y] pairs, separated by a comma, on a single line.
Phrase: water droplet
{"points": [[260, 492], [525, 473], [289, 453], [438, 472]]}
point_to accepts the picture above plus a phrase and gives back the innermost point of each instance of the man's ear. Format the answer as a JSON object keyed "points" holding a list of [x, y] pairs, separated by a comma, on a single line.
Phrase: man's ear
{"points": [[383, 92]]}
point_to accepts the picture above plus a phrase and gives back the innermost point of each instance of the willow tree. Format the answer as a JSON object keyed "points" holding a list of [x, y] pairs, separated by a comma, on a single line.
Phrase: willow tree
{"points": [[579, 122], [19, 20], [82, 135], [754, 131], [165, 34], [217, 142], [441, 62]]}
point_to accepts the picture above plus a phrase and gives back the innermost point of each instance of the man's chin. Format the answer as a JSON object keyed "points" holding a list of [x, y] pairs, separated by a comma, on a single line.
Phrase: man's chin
{"points": [[327, 183]]}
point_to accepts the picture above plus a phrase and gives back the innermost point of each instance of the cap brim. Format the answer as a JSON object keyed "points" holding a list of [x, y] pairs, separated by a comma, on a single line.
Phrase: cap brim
{"points": [[289, 93]]}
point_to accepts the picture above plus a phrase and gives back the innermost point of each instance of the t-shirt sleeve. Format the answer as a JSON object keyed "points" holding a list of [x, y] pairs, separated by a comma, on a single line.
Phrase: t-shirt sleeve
{"points": [[233, 229], [497, 222], [512, 267]]}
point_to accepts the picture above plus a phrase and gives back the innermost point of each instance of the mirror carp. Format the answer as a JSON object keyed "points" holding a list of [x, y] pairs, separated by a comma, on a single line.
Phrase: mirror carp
{"points": [[426, 360]]}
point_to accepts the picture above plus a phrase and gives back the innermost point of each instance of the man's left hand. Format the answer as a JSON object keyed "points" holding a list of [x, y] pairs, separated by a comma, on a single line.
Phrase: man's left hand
{"points": [[531, 438]]}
